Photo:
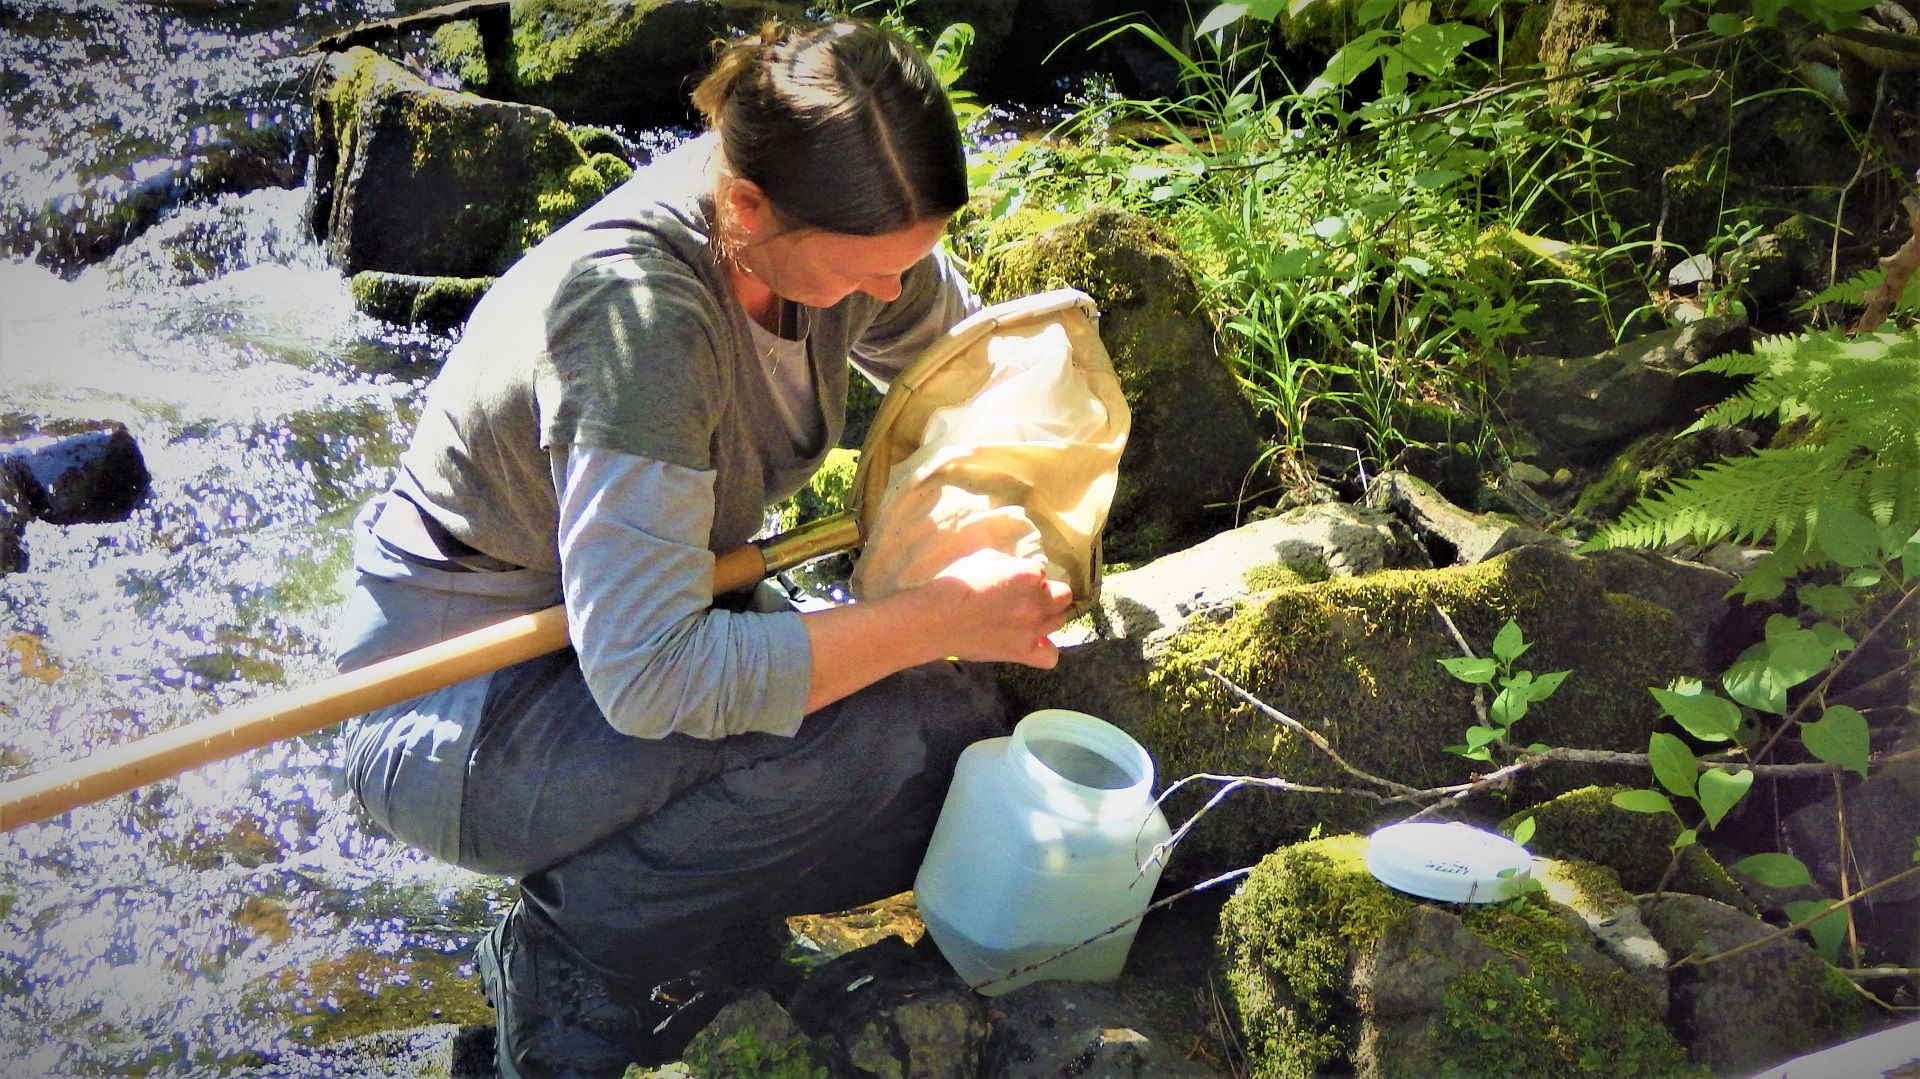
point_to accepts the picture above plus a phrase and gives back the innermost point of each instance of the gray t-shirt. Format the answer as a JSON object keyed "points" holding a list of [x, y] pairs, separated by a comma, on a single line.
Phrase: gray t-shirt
{"points": [[613, 418], [620, 331]]}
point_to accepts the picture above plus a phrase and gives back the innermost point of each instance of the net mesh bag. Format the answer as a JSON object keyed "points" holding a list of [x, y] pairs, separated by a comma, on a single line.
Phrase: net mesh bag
{"points": [[1006, 434]]}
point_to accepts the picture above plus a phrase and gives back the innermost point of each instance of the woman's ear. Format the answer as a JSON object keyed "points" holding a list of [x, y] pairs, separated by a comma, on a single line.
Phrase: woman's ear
{"points": [[748, 208]]}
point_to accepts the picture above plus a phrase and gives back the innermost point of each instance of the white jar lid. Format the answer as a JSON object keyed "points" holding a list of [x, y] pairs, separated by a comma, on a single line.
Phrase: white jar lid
{"points": [[1454, 863]]}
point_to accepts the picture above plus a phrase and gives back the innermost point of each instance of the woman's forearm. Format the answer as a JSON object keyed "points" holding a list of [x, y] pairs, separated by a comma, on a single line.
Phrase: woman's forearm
{"points": [[987, 606]]}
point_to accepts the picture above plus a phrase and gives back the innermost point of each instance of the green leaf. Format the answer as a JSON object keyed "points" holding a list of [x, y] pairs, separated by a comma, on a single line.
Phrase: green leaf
{"points": [[1707, 716], [1774, 870], [1720, 790], [1374, 11], [1827, 599], [1839, 737], [1431, 48], [1478, 736], [1477, 670], [1687, 838], [1353, 60], [1752, 683], [1509, 643], [1508, 708], [1523, 831], [1862, 578], [1828, 933], [1543, 686], [1643, 801], [1848, 536], [1220, 18], [1427, 181], [1726, 24], [1673, 764]]}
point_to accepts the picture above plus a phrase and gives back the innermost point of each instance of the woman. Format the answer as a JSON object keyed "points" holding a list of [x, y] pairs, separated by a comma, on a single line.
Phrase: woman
{"points": [[624, 403]]}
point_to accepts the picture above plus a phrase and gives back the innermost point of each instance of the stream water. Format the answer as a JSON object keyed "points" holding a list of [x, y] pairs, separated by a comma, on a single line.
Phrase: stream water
{"points": [[233, 915]]}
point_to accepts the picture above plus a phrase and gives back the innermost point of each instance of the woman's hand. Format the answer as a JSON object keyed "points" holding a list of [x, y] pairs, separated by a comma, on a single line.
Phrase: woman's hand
{"points": [[995, 606], [985, 606]]}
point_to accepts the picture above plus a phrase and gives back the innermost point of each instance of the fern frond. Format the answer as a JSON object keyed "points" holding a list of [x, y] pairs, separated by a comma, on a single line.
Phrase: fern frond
{"points": [[1851, 291], [1745, 499]]}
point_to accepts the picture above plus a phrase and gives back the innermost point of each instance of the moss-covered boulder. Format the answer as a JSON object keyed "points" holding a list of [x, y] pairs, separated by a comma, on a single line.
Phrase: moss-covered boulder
{"points": [[413, 179], [1327, 970], [1585, 825], [1743, 1013], [1355, 659], [593, 62], [431, 303], [1193, 440]]}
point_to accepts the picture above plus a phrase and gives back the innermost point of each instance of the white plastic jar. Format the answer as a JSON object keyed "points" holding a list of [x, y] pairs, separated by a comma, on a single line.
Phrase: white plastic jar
{"points": [[1046, 838]]}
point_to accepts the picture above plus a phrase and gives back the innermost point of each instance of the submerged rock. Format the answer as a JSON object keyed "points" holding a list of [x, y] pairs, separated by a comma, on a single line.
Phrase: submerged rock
{"points": [[1327, 968], [413, 179], [73, 472], [1193, 440]]}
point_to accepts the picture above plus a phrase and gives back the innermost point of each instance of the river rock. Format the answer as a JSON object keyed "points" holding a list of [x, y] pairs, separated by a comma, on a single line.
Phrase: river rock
{"points": [[1328, 970], [1882, 817], [1193, 441], [1311, 543], [1597, 401], [1452, 536], [74, 472], [432, 303], [1079, 1030], [1751, 1010], [1585, 826], [892, 1011], [413, 179]]}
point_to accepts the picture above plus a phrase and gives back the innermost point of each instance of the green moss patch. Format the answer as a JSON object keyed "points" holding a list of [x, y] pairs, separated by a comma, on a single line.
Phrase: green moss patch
{"points": [[1585, 825], [1356, 660], [1328, 970]]}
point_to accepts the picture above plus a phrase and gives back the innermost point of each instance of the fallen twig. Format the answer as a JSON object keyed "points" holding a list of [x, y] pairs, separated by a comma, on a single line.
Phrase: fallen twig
{"points": [[1700, 961], [1310, 735]]}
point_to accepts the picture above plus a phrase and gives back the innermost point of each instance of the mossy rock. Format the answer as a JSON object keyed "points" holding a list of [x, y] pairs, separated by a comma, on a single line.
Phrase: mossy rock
{"points": [[1193, 439], [1357, 660], [1749, 1011], [413, 179], [1585, 825], [433, 303], [1648, 465], [627, 64], [1327, 970]]}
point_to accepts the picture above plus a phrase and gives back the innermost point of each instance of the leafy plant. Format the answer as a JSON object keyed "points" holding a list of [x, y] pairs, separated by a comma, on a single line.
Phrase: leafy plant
{"points": [[1519, 690], [1844, 481]]}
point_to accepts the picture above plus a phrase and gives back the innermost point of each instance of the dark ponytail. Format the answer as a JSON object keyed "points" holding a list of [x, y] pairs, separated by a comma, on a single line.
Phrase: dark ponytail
{"points": [[845, 128]]}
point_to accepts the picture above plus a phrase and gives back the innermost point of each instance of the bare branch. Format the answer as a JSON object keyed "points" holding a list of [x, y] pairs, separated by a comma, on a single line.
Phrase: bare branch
{"points": [[1479, 691], [1303, 731], [1698, 961]]}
